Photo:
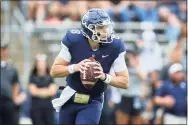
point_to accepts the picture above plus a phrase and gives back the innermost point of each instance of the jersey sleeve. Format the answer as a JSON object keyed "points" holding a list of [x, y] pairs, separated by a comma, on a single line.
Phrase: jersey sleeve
{"points": [[119, 63], [64, 53], [15, 78]]}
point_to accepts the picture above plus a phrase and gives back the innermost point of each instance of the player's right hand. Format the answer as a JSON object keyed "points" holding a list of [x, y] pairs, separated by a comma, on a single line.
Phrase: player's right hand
{"points": [[81, 66]]}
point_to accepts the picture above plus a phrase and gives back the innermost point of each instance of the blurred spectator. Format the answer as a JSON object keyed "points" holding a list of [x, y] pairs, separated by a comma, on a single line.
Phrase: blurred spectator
{"points": [[149, 115], [173, 30], [98, 4], [19, 106], [182, 11], [154, 81], [130, 107], [10, 90], [114, 102], [163, 12], [176, 56], [64, 8], [119, 10], [81, 8], [146, 11], [42, 89], [37, 11], [150, 50], [172, 95], [108, 108], [183, 30], [53, 17], [111, 103], [26, 106], [175, 27], [73, 9], [171, 5], [184, 62]]}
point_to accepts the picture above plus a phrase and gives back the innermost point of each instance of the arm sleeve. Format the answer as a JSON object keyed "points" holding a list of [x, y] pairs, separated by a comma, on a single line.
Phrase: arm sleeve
{"points": [[15, 78], [64, 53], [119, 64]]}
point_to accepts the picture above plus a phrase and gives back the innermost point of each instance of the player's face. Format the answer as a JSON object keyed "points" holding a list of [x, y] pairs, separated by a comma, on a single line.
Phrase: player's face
{"points": [[105, 31]]}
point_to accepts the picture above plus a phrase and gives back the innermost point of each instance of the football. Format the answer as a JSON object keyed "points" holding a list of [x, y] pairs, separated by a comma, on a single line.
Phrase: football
{"points": [[88, 76]]}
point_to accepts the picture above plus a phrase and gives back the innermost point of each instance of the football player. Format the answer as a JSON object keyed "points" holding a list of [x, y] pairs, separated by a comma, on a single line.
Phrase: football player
{"points": [[78, 105]]}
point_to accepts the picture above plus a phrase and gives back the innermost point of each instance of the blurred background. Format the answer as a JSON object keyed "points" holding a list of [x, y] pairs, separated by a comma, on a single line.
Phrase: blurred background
{"points": [[154, 33]]}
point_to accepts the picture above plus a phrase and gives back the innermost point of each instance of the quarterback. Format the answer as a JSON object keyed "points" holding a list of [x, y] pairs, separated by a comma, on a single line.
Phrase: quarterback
{"points": [[77, 104]]}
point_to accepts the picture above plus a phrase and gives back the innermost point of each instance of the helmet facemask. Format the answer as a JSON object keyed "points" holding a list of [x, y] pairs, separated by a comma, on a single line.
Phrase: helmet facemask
{"points": [[102, 33]]}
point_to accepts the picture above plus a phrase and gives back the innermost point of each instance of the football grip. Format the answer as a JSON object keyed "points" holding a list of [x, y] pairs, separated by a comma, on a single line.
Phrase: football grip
{"points": [[88, 76]]}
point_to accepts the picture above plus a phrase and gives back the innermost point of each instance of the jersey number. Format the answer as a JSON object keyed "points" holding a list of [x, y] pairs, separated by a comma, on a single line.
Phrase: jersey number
{"points": [[75, 31]]}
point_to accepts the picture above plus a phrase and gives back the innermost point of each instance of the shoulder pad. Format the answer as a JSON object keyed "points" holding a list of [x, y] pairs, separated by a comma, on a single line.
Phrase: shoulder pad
{"points": [[119, 44], [70, 37], [74, 34]]}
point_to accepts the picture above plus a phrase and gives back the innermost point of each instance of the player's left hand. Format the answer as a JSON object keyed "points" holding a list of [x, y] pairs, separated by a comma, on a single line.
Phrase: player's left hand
{"points": [[99, 70]]}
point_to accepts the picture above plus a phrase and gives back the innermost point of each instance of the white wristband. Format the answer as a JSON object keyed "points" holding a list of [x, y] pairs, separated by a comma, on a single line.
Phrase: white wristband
{"points": [[108, 79], [71, 69]]}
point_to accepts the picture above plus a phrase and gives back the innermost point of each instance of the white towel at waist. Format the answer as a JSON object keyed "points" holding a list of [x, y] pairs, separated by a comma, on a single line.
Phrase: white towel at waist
{"points": [[66, 94]]}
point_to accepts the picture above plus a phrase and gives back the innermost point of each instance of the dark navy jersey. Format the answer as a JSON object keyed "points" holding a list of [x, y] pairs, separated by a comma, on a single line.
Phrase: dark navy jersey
{"points": [[178, 91], [9, 77], [80, 49]]}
